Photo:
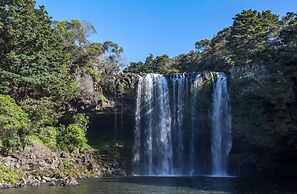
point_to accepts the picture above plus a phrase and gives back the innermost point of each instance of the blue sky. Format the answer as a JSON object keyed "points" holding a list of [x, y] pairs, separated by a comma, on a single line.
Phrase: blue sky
{"points": [[158, 26]]}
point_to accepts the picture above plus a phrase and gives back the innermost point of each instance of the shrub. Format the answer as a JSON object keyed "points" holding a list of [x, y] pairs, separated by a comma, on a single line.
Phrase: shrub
{"points": [[48, 136], [14, 124], [8, 175], [73, 136], [42, 112]]}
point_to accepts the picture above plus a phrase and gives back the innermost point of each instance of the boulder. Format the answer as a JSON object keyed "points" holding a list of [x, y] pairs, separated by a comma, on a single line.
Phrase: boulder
{"points": [[69, 182]]}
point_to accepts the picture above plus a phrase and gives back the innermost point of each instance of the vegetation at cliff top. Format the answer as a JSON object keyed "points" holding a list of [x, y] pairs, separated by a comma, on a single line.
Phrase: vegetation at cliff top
{"points": [[254, 38]]}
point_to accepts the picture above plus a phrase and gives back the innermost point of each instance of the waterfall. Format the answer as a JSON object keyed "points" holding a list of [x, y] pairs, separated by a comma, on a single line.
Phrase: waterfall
{"points": [[170, 137], [221, 127], [153, 113], [136, 147], [194, 127], [178, 84]]}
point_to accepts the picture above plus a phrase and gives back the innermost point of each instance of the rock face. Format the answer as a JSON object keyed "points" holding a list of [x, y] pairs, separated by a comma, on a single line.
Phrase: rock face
{"points": [[38, 165], [87, 88], [111, 113], [262, 109], [121, 91], [118, 93]]}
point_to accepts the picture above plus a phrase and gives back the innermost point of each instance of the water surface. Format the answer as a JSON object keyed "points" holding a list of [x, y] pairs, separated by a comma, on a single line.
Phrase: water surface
{"points": [[164, 185]]}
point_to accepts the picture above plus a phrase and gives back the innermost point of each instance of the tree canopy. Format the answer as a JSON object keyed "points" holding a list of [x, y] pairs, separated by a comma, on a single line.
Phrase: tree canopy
{"points": [[253, 38], [32, 61], [39, 59]]}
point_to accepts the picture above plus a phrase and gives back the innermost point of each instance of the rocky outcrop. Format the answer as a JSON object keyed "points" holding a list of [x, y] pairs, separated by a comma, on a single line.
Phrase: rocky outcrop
{"points": [[121, 92], [69, 182], [38, 164], [88, 95], [116, 160], [117, 93]]}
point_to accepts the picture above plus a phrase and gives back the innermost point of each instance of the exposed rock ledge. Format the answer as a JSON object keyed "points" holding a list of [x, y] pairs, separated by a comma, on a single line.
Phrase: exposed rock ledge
{"points": [[38, 165]]}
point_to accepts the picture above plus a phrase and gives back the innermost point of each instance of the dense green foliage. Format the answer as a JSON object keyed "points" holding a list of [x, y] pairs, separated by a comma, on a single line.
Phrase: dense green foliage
{"points": [[73, 136], [99, 60], [254, 38], [85, 54], [34, 68], [14, 124], [152, 64], [32, 62], [250, 35], [39, 60]]}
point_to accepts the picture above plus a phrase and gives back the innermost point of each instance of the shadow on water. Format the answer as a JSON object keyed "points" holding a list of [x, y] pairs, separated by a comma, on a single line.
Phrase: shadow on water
{"points": [[195, 183], [170, 185], [217, 184]]}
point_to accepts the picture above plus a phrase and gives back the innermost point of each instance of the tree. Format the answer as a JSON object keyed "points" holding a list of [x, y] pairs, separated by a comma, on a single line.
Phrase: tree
{"points": [[202, 45], [32, 61], [250, 33], [285, 56], [140, 67], [217, 57], [74, 32], [161, 64], [135, 67], [34, 68], [112, 57], [75, 35], [85, 54], [187, 62]]}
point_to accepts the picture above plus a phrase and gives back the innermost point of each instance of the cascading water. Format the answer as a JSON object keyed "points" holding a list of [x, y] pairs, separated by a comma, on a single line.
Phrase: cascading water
{"points": [[171, 136], [221, 127], [154, 155]]}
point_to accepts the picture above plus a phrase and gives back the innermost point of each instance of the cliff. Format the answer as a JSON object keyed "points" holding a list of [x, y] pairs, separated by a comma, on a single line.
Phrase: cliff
{"points": [[264, 122], [263, 119]]}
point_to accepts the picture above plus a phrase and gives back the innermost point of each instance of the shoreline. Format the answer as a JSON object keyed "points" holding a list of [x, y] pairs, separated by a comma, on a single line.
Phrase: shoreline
{"points": [[38, 165]]}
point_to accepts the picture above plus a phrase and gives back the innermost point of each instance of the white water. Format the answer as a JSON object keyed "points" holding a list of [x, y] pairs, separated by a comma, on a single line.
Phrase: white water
{"points": [[153, 105], [168, 140], [221, 127]]}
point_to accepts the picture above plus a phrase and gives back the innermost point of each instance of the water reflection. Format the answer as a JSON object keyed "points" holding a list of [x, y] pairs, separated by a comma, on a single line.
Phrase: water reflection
{"points": [[171, 185]]}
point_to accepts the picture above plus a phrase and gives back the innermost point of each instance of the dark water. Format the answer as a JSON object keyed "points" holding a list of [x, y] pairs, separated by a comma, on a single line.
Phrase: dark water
{"points": [[175, 185]]}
